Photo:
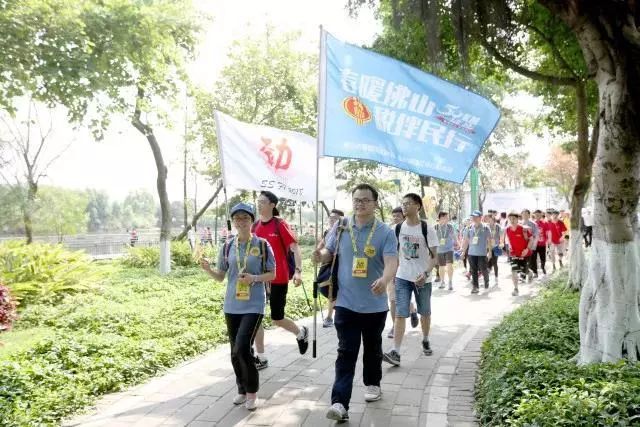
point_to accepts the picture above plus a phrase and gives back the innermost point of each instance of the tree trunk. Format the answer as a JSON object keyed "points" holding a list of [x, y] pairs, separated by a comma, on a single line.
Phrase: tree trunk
{"points": [[184, 190], [27, 214], [609, 308], [585, 154], [161, 184], [197, 216]]}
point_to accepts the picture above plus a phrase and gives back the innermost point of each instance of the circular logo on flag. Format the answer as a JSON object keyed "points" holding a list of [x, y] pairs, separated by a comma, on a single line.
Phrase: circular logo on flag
{"points": [[357, 110]]}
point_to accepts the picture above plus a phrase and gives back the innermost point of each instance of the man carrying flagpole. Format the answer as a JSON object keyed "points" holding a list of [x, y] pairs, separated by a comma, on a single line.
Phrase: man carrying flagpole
{"points": [[368, 261]]}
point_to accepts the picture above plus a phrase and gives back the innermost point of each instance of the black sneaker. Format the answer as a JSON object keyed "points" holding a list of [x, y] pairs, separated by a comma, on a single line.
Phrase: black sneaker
{"points": [[414, 320], [303, 343], [392, 357], [261, 363], [426, 348]]}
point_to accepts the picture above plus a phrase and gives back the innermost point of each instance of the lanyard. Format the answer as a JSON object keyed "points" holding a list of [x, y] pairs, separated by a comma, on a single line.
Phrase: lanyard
{"points": [[353, 239], [446, 231], [242, 268]]}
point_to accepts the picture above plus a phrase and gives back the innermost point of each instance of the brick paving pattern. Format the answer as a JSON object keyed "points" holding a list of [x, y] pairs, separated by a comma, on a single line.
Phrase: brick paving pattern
{"points": [[295, 390]]}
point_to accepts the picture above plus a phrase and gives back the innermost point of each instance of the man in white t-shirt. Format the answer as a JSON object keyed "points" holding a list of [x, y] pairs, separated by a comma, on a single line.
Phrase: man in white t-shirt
{"points": [[417, 258]]}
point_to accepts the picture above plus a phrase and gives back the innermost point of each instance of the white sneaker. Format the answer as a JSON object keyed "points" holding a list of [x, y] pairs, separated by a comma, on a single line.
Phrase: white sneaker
{"points": [[251, 404], [372, 393], [337, 412], [240, 399]]}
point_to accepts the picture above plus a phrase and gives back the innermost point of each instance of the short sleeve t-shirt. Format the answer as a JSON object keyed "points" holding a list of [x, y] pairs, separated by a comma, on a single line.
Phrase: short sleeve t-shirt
{"points": [[518, 240], [543, 228], [414, 255], [557, 228], [495, 233], [355, 292], [257, 296], [445, 237], [279, 244], [479, 248]]}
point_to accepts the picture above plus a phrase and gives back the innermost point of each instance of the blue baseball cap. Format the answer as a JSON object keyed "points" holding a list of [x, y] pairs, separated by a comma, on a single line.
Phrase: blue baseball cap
{"points": [[476, 213], [244, 207]]}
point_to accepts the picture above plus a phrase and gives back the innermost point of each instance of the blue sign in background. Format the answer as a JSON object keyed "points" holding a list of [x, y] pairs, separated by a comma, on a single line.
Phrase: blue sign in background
{"points": [[377, 108]]}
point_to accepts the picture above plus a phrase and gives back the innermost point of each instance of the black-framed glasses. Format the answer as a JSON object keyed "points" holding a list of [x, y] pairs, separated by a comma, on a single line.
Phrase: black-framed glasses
{"points": [[362, 201]]}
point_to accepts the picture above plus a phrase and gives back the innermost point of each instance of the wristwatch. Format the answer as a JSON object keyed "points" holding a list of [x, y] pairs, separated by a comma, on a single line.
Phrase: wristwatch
{"points": [[298, 270]]}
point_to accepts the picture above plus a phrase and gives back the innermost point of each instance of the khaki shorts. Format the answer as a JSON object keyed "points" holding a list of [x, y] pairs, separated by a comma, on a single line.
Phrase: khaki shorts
{"points": [[391, 290]]}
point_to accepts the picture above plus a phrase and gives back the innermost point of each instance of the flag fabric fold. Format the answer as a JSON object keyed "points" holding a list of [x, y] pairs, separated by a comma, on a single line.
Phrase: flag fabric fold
{"points": [[377, 108], [256, 157]]}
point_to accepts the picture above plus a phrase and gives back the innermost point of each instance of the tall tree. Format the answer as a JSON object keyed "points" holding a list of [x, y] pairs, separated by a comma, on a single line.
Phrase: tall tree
{"points": [[30, 151], [104, 57], [561, 170], [609, 39], [268, 82]]}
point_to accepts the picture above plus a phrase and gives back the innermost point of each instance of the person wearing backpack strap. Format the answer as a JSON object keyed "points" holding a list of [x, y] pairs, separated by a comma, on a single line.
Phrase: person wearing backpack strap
{"points": [[277, 232], [417, 242], [249, 264], [397, 217], [368, 260]]}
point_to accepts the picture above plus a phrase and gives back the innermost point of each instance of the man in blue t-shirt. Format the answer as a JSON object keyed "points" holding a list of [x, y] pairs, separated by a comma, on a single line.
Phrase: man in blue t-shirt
{"points": [[477, 239], [368, 251]]}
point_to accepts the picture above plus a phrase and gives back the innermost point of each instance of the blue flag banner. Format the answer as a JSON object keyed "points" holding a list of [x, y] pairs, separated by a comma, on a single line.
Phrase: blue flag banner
{"points": [[377, 108]]}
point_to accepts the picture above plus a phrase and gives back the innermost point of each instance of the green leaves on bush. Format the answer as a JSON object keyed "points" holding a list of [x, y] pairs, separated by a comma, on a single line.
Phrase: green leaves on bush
{"points": [[181, 255], [42, 272], [527, 377], [134, 326]]}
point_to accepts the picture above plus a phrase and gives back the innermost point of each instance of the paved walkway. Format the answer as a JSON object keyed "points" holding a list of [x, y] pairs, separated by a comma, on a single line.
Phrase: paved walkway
{"points": [[295, 390]]}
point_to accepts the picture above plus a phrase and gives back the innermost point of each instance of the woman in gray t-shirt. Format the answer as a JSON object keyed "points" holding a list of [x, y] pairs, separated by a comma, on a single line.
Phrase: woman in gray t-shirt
{"points": [[249, 262]]}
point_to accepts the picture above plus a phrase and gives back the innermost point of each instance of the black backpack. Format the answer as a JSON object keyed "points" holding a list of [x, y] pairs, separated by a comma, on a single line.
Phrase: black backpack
{"points": [[425, 232], [291, 260]]}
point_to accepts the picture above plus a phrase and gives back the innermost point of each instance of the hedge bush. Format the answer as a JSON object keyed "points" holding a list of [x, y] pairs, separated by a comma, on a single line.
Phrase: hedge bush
{"points": [[527, 377], [131, 327], [42, 272], [181, 255]]}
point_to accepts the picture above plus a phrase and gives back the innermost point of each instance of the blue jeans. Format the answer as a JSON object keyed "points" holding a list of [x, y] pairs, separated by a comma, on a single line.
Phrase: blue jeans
{"points": [[351, 328], [404, 289]]}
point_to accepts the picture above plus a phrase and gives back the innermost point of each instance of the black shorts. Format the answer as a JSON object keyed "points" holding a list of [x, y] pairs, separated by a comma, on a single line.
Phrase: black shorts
{"points": [[277, 301], [519, 264], [445, 258]]}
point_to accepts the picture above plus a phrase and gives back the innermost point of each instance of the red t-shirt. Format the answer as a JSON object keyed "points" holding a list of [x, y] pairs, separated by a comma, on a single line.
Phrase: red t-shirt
{"points": [[557, 228], [518, 241], [543, 229], [280, 245]]}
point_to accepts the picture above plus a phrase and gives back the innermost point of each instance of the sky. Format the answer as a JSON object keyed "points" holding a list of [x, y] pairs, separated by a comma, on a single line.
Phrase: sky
{"points": [[123, 161]]}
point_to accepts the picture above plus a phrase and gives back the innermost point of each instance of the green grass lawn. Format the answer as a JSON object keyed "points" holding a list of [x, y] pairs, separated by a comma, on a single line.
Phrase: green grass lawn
{"points": [[132, 325]]}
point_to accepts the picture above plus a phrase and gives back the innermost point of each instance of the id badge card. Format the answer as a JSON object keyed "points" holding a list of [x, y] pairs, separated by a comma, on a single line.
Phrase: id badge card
{"points": [[474, 241], [360, 267], [242, 291], [442, 241]]}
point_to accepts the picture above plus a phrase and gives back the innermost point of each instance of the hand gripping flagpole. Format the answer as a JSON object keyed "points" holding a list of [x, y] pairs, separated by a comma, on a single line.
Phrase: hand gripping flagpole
{"points": [[319, 135]]}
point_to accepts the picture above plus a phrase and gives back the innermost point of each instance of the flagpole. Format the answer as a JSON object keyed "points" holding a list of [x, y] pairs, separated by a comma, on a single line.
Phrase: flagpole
{"points": [[224, 180], [319, 136]]}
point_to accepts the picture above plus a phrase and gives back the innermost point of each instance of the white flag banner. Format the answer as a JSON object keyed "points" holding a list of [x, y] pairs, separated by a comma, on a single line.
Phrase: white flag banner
{"points": [[256, 157]]}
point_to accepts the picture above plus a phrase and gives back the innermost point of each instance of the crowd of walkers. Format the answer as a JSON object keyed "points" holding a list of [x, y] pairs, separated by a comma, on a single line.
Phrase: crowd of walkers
{"points": [[381, 267]]}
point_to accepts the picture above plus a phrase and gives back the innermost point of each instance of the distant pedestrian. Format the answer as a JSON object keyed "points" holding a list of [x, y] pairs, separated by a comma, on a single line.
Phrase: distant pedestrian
{"points": [[133, 237]]}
